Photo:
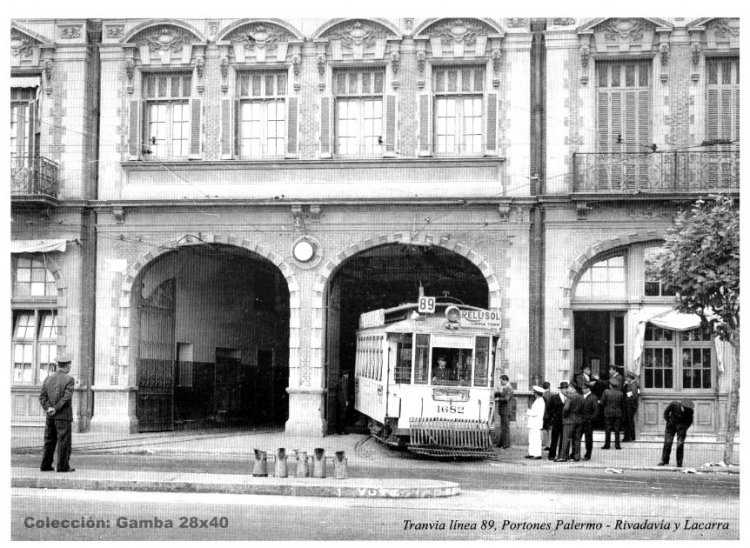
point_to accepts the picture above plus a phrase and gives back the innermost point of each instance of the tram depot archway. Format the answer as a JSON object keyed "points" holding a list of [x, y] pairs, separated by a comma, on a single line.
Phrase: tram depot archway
{"points": [[383, 277], [212, 335]]}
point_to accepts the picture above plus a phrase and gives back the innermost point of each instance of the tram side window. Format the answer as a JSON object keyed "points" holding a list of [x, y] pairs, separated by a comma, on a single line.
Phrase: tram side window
{"points": [[402, 372], [422, 359], [482, 361]]}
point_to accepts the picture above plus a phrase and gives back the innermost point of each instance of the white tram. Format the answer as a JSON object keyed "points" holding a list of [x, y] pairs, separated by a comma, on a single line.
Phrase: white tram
{"points": [[424, 376]]}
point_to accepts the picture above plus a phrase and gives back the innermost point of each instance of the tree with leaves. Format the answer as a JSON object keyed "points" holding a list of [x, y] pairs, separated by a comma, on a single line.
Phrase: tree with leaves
{"points": [[700, 260]]}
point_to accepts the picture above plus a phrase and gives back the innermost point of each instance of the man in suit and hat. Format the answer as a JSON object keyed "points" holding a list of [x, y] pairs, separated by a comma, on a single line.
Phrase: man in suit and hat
{"points": [[56, 398], [555, 420], [571, 426], [679, 417], [504, 397], [589, 412], [632, 392], [613, 405]]}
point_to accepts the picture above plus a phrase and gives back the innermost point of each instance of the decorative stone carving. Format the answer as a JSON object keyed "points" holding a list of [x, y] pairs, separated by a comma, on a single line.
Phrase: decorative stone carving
{"points": [[563, 21], [695, 52], [421, 58], [458, 30], [725, 27], [296, 62], [224, 69], [164, 38], [623, 29], [48, 71], [114, 31], [585, 52], [516, 23], [70, 32], [496, 56], [664, 53], [213, 30], [260, 35], [21, 45], [130, 71], [199, 63], [321, 62], [357, 33], [395, 61], [409, 24]]}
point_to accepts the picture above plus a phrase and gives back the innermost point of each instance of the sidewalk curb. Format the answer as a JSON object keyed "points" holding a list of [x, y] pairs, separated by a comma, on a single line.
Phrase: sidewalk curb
{"points": [[248, 485]]}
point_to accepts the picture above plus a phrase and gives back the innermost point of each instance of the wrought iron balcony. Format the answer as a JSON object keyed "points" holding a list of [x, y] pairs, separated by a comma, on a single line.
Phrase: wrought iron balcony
{"points": [[656, 172], [33, 179]]}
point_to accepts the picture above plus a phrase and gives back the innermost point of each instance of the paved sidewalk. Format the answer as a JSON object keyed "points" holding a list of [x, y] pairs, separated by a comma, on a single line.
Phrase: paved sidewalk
{"points": [[170, 481]]}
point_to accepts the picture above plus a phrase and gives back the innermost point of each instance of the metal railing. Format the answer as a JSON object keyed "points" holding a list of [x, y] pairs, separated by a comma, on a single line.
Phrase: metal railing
{"points": [[681, 171], [33, 176]]}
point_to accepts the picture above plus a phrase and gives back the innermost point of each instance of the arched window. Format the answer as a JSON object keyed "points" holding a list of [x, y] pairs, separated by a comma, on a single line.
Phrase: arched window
{"points": [[603, 280]]}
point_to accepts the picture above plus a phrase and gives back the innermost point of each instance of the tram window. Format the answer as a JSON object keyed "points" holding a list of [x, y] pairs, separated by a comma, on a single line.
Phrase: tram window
{"points": [[482, 361], [422, 359], [402, 372], [451, 366]]}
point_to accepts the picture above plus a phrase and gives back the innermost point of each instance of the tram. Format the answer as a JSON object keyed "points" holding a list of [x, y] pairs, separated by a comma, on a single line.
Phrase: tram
{"points": [[424, 376]]}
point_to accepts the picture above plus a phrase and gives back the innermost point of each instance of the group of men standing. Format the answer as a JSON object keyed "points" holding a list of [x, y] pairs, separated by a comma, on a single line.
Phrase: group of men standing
{"points": [[559, 422]]}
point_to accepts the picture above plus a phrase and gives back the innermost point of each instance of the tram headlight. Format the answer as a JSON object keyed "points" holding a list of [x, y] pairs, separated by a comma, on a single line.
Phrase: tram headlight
{"points": [[453, 314]]}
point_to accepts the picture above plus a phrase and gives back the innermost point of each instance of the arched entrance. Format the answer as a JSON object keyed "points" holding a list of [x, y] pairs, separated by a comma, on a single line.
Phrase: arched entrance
{"points": [[211, 339], [381, 277]]}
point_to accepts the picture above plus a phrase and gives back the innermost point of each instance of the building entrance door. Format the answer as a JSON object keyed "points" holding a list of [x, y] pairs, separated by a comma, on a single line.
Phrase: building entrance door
{"points": [[156, 360], [599, 343]]}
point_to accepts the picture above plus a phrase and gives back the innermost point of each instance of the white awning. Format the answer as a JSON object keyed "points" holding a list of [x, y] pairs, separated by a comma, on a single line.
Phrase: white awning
{"points": [[26, 82], [37, 246], [672, 319]]}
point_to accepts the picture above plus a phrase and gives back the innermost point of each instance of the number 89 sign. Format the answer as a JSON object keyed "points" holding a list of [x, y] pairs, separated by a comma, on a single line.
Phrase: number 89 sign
{"points": [[426, 305]]}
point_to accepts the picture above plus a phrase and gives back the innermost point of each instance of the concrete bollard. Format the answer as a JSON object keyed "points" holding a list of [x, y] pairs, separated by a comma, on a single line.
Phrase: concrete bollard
{"points": [[303, 470], [280, 470], [260, 470], [339, 465], [319, 463]]}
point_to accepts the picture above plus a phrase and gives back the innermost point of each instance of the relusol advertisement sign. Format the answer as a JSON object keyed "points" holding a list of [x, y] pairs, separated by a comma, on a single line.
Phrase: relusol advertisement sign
{"points": [[487, 319]]}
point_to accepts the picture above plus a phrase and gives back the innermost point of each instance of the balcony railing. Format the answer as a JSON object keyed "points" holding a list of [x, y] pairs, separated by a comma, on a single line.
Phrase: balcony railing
{"points": [[657, 172], [33, 178]]}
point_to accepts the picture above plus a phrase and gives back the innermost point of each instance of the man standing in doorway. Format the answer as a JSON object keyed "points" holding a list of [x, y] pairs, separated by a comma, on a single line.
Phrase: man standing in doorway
{"points": [[679, 417], [56, 398], [504, 397], [342, 400], [613, 402]]}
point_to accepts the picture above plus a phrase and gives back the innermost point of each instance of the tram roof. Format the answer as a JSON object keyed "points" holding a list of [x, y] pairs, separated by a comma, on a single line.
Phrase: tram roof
{"points": [[406, 319]]}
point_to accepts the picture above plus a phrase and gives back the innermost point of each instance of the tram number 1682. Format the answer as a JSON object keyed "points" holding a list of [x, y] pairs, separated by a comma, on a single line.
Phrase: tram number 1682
{"points": [[453, 409]]}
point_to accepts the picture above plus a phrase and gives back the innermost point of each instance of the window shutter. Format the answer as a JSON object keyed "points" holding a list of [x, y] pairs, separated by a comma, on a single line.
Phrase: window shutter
{"points": [[736, 113], [227, 125], [425, 123], [390, 125], [616, 121], [134, 133], [235, 129], [492, 123], [195, 129], [712, 120], [644, 136], [291, 132], [725, 132], [325, 127], [631, 115]]}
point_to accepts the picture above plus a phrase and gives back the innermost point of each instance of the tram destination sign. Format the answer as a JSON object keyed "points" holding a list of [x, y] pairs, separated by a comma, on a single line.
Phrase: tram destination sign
{"points": [[486, 319]]}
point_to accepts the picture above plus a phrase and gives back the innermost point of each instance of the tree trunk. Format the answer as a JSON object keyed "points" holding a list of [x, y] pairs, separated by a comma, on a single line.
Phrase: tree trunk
{"points": [[734, 400]]}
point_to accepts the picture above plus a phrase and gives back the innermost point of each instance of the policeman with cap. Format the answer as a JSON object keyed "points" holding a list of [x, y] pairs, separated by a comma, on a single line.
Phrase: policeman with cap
{"points": [[56, 398]]}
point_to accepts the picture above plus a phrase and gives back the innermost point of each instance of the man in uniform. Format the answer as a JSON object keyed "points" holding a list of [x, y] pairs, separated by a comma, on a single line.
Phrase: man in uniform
{"points": [[679, 417], [632, 391], [571, 446], [589, 412], [55, 398], [555, 419]]}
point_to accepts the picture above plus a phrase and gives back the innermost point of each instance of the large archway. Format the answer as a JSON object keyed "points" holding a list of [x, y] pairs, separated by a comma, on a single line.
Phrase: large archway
{"points": [[381, 277], [211, 339]]}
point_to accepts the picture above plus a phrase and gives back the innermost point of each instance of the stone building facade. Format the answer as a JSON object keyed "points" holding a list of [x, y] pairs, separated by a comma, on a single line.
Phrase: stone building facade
{"points": [[233, 192]]}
